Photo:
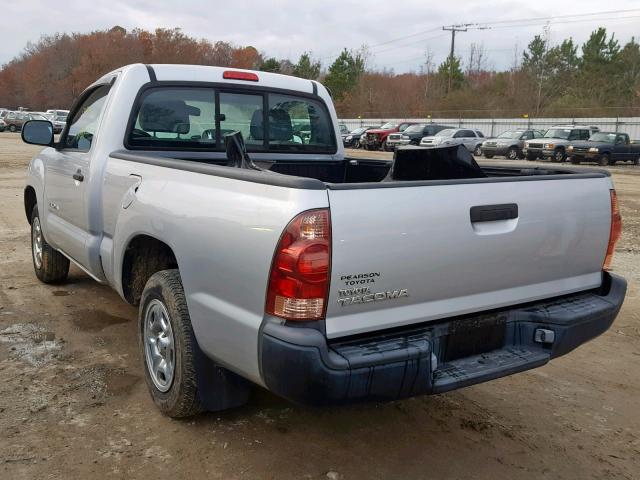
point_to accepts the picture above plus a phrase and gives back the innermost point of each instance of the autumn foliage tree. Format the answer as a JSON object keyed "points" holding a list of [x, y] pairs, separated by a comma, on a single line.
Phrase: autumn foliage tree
{"points": [[599, 77]]}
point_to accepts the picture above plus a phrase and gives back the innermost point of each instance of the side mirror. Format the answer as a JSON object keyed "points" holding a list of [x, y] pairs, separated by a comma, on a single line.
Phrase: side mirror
{"points": [[38, 132]]}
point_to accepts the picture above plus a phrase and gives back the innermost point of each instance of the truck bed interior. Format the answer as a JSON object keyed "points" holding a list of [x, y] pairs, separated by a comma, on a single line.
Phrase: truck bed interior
{"points": [[409, 165]]}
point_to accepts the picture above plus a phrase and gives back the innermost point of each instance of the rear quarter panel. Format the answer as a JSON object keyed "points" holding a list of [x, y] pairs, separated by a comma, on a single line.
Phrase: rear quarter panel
{"points": [[223, 233]]}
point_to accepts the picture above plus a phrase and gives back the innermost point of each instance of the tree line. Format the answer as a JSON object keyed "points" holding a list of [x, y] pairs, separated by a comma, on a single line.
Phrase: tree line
{"points": [[601, 77]]}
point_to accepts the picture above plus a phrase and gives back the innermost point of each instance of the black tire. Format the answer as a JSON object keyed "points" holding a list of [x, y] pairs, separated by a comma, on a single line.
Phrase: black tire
{"points": [[604, 160], [575, 161], [197, 384], [478, 150], [13, 128], [384, 146], [53, 266], [488, 155], [531, 157], [513, 153], [559, 155], [636, 161]]}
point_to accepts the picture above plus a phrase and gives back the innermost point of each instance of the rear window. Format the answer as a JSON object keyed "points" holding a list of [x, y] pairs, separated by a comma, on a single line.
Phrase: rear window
{"points": [[198, 118]]}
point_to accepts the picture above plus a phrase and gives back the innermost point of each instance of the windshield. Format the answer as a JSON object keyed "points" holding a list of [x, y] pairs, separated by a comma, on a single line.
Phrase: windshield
{"points": [[447, 132], [558, 133], [38, 117], [415, 128], [603, 137], [358, 131], [511, 134], [388, 126], [61, 119]]}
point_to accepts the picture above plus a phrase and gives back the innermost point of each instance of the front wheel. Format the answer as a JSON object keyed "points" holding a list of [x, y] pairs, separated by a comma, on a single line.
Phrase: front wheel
{"points": [[13, 128], [488, 155], [636, 161], [384, 146], [181, 379], [531, 156], [49, 264], [513, 153], [559, 155], [478, 150], [603, 161]]}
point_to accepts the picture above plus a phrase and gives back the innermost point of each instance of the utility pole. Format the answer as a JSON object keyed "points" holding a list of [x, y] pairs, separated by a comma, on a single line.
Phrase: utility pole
{"points": [[463, 27], [453, 29]]}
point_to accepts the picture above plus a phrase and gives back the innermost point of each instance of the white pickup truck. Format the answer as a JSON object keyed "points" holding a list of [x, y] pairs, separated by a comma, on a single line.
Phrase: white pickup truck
{"points": [[284, 264]]}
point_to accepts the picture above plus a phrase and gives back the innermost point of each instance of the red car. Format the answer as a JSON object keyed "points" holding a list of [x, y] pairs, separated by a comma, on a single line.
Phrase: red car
{"points": [[377, 137]]}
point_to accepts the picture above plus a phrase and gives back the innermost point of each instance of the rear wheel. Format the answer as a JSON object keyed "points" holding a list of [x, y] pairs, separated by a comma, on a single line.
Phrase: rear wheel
{"points": [[604, 160], [513, 153], [49, 264], [181, 379], [488, 155], [636, 161], [575, 161], [13, 128]]}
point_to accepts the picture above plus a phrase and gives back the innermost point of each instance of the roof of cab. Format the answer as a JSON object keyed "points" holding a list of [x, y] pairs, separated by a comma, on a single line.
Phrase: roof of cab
{"points": [[203, 73]]}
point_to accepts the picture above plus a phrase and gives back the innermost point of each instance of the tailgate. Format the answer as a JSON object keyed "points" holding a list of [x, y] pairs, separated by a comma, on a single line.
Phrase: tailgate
{"points": [[410, 254]]}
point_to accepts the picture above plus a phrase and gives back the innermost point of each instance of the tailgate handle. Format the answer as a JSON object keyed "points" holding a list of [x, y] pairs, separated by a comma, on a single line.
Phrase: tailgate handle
{"points": [[492, 213]]}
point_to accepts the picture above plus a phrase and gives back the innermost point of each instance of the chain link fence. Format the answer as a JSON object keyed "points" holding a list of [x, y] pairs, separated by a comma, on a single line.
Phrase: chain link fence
{"points": [[495, 126]]}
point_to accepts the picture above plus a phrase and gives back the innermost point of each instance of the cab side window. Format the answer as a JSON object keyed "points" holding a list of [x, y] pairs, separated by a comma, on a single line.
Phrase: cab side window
{"points": [[84, 123]]}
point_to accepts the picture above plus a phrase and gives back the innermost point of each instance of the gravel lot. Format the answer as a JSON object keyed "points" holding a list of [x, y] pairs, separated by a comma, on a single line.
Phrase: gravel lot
{"points": [[73, 403]]}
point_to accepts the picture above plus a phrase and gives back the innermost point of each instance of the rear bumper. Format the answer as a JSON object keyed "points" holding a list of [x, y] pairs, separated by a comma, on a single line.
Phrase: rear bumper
{"points": [[298, 363]]}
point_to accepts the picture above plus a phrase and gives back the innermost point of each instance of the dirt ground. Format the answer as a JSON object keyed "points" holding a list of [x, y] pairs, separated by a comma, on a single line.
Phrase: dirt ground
{"points": [[73, 403]]}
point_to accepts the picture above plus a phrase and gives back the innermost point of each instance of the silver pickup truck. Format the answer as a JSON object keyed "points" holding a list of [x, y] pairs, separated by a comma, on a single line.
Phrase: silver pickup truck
{"points": [[266, 257]]}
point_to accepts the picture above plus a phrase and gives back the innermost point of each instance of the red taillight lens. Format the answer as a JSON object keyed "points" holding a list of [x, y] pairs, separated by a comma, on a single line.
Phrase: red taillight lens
{"points": [[299, 278], [615, 232], [235, 75]]}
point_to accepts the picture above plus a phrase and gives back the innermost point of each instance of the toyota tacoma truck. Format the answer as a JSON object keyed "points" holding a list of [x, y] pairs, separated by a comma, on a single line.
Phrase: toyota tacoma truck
{"points": [[605, 148], [257, 258]]}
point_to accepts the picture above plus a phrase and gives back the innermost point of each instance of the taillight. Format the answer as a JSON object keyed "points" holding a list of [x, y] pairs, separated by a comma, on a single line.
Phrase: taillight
{"points": [[236, 75], [615, 232], [299, 278]]}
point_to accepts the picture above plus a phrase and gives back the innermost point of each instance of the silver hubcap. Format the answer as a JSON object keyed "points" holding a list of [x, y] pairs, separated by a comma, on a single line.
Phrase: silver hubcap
{"points": [[159, 350], [513, 154], [36, 242]]}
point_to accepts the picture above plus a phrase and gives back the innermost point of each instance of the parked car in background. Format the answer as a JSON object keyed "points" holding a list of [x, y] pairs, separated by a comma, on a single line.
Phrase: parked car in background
{"points": [[509, 143], [377, 138], [344, 130], [472, 139], [15, 120], [555, 141], [352, 139], [58, 113], [414, 133], [605, 148], [2, 125]]}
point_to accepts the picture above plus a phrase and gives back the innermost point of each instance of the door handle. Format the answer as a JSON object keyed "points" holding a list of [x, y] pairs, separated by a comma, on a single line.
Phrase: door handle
{"points": [[78, 176], [492, 213]]}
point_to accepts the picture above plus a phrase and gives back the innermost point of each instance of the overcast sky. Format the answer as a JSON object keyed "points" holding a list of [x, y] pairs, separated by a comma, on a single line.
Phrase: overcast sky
{"points": [[286, 28]]}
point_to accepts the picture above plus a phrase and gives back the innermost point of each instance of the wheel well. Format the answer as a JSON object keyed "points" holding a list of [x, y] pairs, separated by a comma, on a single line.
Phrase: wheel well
{"points": [[143, 257], [30, 201]]}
